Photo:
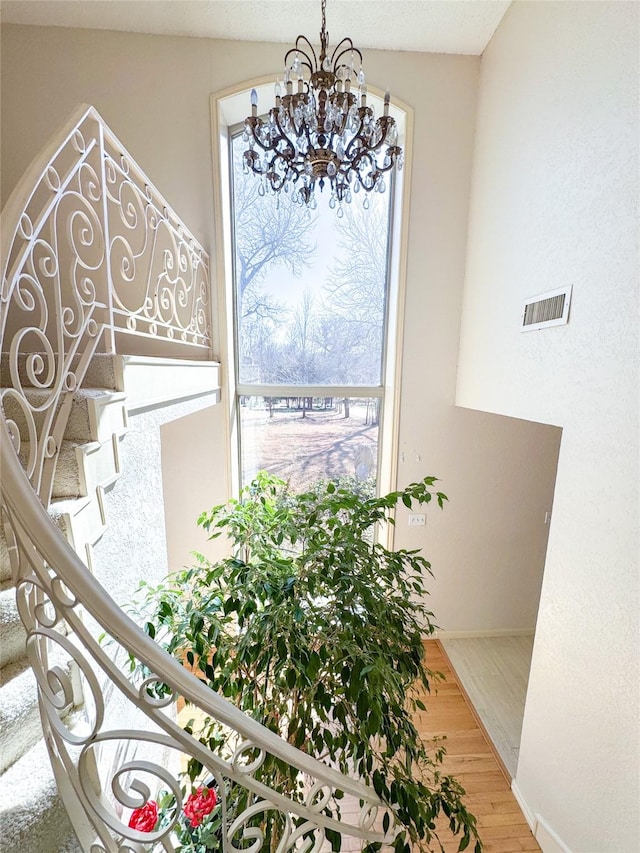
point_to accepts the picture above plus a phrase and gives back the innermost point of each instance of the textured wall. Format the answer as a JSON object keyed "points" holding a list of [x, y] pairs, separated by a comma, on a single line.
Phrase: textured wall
{"points": [[154, 93], [134, 545], [555, 202]]}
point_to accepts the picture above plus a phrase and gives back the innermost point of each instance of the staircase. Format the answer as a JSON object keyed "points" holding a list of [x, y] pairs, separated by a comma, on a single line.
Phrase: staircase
{"points": [[98, 271], [32, 816]]}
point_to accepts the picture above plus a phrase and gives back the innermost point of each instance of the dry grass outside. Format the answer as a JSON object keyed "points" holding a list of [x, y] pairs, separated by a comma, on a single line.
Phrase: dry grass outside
{"points": [[302, 450]]}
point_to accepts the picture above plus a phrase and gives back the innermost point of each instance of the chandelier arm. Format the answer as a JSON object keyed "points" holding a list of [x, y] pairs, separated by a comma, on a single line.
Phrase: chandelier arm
{"points": [[384, 123], [392, 161], [296, 129], [296, 168], [251, 163], [367, 185], [276, 180], [302, 46], [358, 133], [339, 51], [343, 124], [307, 133], [265, 148], [282, 136], [361, 157]]}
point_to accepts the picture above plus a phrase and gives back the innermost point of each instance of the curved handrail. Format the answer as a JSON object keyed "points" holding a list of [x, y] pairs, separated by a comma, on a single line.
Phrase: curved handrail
{"points": [[28, 514], [54, 588]]}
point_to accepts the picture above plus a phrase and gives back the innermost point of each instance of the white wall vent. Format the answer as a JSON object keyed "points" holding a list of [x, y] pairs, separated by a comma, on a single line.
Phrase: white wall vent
{"points": [[546, 309]]}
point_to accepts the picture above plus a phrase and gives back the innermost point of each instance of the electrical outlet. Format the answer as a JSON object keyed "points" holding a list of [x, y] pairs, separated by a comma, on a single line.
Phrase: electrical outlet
{"points": [[417, 519]]}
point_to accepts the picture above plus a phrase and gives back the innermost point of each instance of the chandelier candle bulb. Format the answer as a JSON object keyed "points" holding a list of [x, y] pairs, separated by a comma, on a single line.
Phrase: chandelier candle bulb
{"points": [[254, 103], [387, 98]]}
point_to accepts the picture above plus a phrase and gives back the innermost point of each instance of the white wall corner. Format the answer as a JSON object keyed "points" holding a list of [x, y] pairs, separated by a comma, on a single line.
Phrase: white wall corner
{"points": [[547, 838]]}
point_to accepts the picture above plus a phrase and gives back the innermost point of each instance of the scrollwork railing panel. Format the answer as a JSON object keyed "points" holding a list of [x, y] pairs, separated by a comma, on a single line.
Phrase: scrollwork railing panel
{"points": [[55, 589], [159, 273], [90, 252], [53, 300]]}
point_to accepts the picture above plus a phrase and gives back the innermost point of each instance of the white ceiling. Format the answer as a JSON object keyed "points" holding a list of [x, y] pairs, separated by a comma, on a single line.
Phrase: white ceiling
{"points": [[434, 26]]}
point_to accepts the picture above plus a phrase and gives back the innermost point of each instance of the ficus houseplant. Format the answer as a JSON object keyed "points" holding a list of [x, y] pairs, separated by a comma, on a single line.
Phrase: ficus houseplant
{"points": [[315, 629]]}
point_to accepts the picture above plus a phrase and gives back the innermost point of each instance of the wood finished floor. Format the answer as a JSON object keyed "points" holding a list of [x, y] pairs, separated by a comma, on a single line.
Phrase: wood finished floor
{"points": [[494, 672], [474, 762], [470, 758]]}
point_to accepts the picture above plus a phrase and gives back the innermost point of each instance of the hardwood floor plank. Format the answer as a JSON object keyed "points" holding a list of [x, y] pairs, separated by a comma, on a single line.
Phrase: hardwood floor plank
{"points": [[472, 759], [511, 845]]}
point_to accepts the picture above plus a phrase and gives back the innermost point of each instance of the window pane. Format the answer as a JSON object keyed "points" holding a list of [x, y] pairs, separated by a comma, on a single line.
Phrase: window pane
{"points": [[310, 286], [304, 440]]}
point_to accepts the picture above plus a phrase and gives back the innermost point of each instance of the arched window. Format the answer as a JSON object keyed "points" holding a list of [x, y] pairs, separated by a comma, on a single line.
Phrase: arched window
{"points": [[312, 304]]}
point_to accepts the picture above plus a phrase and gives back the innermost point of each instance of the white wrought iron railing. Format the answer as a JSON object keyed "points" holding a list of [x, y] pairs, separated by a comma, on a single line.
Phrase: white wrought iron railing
{"points": [[91, 257], [93, 260]]}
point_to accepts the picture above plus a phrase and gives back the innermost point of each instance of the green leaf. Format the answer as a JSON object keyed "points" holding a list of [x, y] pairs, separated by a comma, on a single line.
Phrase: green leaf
{"points": [[315, 629], [464, 841]]}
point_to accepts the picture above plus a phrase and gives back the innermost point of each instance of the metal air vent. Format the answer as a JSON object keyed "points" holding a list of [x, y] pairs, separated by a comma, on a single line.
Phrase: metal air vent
{"points": [[546, 309]]}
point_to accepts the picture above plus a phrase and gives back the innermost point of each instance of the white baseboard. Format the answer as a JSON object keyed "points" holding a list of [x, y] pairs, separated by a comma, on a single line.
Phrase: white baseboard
{"points": [[491, 632], [526, 811], [549, 841]]}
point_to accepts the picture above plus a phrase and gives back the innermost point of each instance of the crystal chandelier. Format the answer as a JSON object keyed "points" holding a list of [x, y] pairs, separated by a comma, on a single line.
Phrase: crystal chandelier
{"points": [[321, 128]]}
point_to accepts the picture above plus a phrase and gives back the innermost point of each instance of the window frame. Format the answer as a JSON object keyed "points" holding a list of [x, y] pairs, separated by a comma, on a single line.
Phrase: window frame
{"points": [[245, 389], [228, 108]]}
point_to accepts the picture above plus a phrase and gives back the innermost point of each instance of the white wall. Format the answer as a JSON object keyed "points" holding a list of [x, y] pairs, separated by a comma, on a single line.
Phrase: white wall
{"points": [[555, 202], [192, 482], [134, 544], [154, 93], [488, 546]]}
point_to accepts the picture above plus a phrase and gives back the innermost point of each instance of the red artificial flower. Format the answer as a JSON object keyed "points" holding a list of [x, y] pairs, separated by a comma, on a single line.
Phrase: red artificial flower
{"points": [[145, 818], [199, 805]]}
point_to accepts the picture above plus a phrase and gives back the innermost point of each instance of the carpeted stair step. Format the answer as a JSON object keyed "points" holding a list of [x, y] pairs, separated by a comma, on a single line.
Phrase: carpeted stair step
{"points": [[81, 468], [94, 415], [71, 845], [20, 727], [104, 371], [32, 816], [12, 633], [68, 478]]}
